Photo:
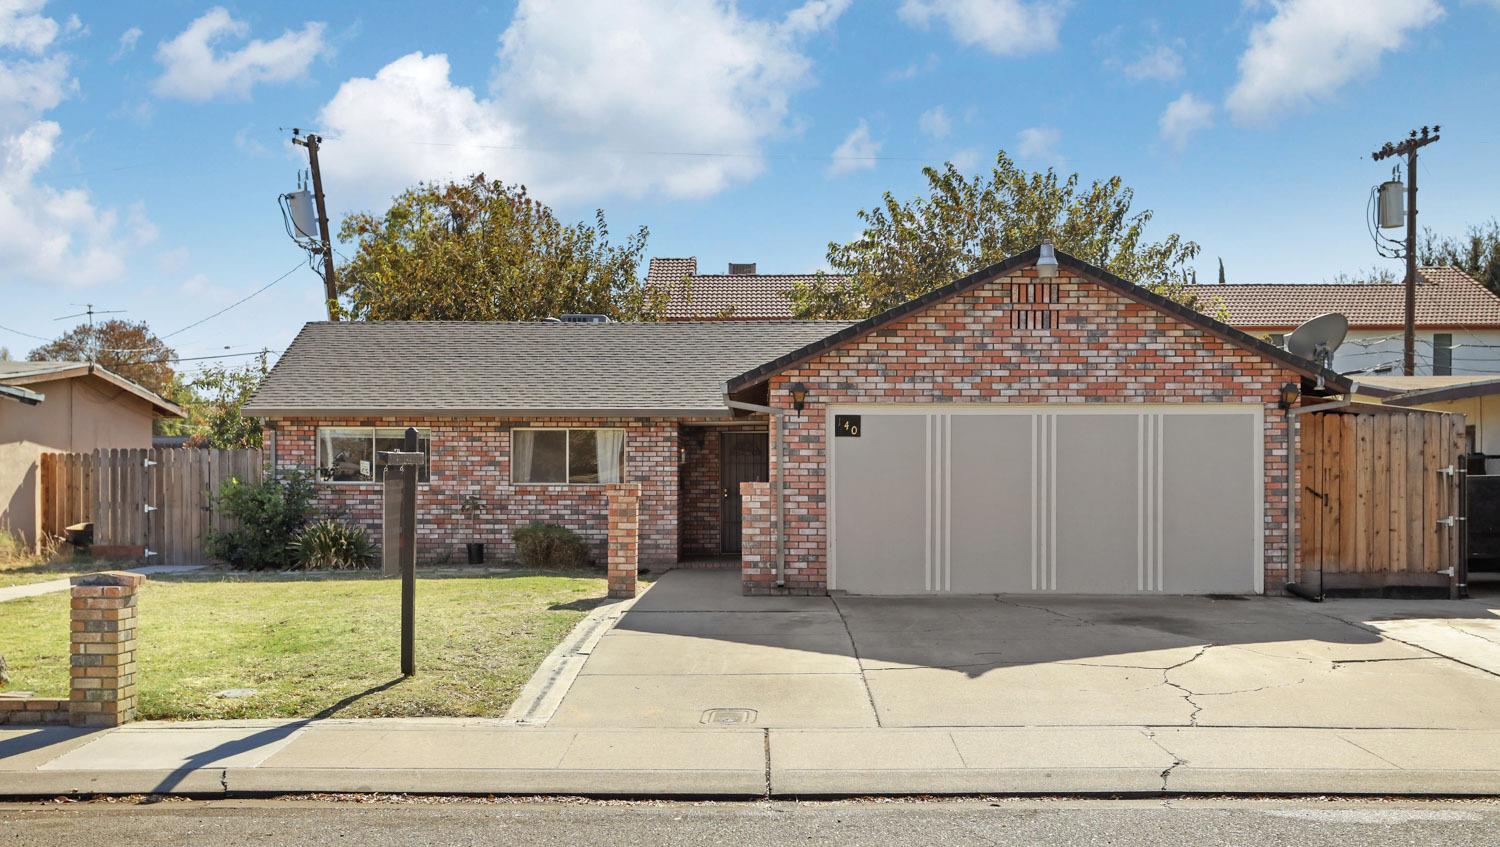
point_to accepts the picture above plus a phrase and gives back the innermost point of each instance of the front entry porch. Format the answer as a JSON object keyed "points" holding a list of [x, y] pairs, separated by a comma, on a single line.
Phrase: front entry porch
{"points": [[714, 460]]}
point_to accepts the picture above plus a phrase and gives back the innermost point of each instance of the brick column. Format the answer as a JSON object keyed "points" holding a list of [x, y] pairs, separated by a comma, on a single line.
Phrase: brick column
{"points": [[103, 648], [624, 536], [757, 539]]}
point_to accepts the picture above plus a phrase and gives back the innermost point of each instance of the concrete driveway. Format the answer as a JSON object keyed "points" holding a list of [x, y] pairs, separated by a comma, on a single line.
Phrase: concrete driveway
{"points": [[693, 650]]}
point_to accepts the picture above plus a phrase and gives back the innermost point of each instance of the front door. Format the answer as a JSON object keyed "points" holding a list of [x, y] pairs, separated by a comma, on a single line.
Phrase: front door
{"points": [[744, 457]]}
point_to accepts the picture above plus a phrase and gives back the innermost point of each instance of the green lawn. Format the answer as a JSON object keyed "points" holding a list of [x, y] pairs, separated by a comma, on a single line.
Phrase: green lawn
{"points": [[317, 644]]}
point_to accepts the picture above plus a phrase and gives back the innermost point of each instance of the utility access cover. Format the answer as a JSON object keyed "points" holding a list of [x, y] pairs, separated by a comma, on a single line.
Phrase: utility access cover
{"points": [[728, 717]]}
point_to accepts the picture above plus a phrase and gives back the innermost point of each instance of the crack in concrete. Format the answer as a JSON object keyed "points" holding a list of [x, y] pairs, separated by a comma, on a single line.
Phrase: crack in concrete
{"points": [[1187, 694], [1381, 634], [1064, 615], [854, 648], [1337, 662], [766, 735], [1177, 761]]}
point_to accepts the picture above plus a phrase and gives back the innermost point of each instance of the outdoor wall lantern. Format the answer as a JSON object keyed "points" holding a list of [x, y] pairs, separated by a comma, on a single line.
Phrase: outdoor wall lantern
{"points": [[1290, 394], [1046, 261], [799, 395]]}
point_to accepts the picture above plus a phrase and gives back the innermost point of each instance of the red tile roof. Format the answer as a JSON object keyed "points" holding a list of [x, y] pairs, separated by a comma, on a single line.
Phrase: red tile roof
{"points": [[1446, 297], [695, 296]]}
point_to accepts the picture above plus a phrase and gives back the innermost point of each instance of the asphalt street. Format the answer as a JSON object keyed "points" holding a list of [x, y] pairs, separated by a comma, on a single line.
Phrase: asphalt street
{"points": [[1029, 822]]}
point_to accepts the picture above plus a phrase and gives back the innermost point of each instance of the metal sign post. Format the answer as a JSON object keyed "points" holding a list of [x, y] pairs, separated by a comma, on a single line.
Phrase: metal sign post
{"points": [[399, 548]]}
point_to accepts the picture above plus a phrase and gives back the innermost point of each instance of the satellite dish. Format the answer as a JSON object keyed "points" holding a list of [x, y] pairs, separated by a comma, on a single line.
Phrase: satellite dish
{"points": [[1318, 338]]}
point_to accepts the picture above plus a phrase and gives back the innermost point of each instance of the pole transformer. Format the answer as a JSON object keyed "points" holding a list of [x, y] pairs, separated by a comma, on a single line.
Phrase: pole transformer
{"points": [[330, 287], [1408, 148]]}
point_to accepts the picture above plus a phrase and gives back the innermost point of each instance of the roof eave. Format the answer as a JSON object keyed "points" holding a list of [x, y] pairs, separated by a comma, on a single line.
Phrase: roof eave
{"points": [[1444, 394]]}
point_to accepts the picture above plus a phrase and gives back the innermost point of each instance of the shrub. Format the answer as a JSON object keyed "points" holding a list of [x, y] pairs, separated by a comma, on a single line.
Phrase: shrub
{"points": [[268, 516], [333, 545], [545, 545]]}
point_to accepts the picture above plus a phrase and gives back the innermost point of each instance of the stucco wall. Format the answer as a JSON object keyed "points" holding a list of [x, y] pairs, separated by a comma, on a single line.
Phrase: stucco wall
{"points": [[1101, 347], [78, 415], [472, 456]]}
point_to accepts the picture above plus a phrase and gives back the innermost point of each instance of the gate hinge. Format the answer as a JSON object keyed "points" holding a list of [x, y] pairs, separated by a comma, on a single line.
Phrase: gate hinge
{"points": [[1451, 520], [149, 464], [149, 508], [150, 552]]}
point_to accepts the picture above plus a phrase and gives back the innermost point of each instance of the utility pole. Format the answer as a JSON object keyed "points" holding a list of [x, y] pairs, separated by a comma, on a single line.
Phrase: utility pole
{"points": [[330, 289], [93, 340], [1409, 148]]}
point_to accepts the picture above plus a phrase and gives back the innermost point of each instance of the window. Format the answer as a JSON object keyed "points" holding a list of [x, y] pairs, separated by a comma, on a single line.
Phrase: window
{"points": [[567, 455], [352, 454], [1442, 353]]}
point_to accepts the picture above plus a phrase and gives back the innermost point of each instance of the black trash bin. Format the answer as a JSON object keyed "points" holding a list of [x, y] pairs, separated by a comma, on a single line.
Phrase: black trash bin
{"points": [[476, 553]]}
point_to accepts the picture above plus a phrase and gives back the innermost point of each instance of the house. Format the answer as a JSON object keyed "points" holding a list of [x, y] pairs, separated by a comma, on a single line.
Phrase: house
{"points": [[742, 294], [76, 406], [1040, 425], [1458, 319]]}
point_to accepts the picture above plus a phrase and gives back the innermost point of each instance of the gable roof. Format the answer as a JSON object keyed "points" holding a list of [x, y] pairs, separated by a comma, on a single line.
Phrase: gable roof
{"points": [[1446, 297], [26, 373], [507, 368], [758, 375], [695, 296]]}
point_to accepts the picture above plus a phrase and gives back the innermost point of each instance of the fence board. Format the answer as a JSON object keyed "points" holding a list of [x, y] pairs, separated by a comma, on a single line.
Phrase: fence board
{"points": [[111, 488]]}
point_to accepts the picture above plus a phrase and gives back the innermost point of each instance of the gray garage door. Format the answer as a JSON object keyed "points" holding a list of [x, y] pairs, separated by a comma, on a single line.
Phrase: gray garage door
{"points": [[975, 500]]}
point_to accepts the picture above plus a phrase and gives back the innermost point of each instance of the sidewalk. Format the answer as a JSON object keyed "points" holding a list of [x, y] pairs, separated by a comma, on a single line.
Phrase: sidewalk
{"points": [[493, 757], [52, 586]]}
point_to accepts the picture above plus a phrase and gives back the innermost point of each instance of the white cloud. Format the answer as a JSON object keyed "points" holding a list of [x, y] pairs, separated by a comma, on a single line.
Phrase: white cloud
{"points": [[1162, 63], [56, 236], [1311, 48], [127, 44], [1003, 27], [965, 160], [855, 153], [23, 27], [935, 123], [1183, 117], [1039, 144], [583, 92], [195, 69]]}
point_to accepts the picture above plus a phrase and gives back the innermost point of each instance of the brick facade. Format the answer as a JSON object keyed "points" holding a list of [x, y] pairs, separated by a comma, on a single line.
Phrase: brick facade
{"points": [[758, 556], [1078, 342], [624, 535], [471, 456]]}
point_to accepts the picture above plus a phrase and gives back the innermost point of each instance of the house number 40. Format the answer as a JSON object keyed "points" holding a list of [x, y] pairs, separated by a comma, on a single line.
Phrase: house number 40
{"points": [[846, 426]]}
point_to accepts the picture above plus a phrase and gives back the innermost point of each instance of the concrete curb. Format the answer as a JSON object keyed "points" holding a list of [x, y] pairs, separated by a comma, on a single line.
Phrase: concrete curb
{"points": [[544, 692]]}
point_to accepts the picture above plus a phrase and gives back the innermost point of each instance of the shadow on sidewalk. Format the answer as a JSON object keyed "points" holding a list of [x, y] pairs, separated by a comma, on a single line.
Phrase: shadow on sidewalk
{"points": [[264, 737]]}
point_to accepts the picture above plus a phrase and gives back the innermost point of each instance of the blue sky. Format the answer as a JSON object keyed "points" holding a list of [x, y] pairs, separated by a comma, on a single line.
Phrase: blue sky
{"points": [[144, 145]]}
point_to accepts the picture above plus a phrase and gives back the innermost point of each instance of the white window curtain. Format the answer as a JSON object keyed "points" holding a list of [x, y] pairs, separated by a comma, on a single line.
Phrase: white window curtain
{"points": [[520, 455], [610, 448]]}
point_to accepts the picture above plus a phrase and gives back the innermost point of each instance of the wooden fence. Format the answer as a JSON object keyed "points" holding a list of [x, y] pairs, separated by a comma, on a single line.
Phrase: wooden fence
{"points": [[1378, 491], [161, 500]]}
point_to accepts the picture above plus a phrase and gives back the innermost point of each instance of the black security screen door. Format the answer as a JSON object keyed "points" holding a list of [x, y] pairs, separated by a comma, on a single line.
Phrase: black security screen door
{"points": [[745, 458]]}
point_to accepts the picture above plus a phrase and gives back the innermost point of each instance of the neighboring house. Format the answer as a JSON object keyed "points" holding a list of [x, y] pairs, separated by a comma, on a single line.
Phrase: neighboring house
{"points": [[741, 294], [1475, 396], [1457, 320], [1021, 429], [83, 407]]}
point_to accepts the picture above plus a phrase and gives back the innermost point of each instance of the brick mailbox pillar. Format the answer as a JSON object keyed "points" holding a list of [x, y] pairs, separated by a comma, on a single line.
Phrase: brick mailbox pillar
{"points": [[102, 661], [624, 536]]}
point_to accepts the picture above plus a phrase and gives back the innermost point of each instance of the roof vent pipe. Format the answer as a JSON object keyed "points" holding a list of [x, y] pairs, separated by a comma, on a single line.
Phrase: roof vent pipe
{"points": [[1046, 261]]}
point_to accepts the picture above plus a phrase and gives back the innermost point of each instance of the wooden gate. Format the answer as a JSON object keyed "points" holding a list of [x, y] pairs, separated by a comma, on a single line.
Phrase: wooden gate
{"points": [[1380, 498], [159, 500]]}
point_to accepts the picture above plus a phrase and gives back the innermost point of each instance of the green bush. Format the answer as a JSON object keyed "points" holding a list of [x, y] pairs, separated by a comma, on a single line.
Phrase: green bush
{"points": [[268, 514], [333, 545], [545, 545]]}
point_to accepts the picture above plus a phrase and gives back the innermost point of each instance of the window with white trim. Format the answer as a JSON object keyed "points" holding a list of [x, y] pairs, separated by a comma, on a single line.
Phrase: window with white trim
{"points": [[595, 455], [352, 453]]}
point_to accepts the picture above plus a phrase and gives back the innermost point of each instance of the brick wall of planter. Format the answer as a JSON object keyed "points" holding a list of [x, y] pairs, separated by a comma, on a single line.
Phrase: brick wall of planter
{"points": [[1098, 347], [471, 456]]}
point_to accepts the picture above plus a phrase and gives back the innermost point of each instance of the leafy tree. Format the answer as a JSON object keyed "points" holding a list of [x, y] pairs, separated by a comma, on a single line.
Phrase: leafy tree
{"points": [[909, 248], [484, 250], [216, 415], [1376, 275], [1477, 253], [127, 348]]}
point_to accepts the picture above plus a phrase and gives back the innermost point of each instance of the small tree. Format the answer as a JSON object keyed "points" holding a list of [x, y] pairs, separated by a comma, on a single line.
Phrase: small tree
{"points": [[216, 416], [1477, 253], [268, 516]]}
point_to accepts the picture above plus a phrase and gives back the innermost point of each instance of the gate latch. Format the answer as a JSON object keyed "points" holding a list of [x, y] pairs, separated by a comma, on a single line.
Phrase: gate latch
{"points": [[1448, 471], [1451, 520]]}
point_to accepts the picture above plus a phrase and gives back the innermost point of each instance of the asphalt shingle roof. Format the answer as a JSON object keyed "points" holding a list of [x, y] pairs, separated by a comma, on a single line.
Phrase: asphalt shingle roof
{"points": [[461, 367], [695, 296], [1446, 297]]}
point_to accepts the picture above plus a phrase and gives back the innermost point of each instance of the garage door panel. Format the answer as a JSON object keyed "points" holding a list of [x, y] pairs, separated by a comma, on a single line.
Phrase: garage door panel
{"points": [[990, 497], [1208, 477], [880, 506], [1096, 521]]}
